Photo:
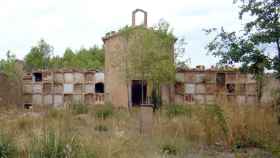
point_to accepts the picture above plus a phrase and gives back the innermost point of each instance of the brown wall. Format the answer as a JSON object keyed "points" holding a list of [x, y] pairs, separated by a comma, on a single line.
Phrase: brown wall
{"points": [[116, 87]]}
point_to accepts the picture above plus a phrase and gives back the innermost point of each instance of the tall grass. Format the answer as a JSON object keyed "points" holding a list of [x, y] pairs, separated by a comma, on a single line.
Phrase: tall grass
{"points": [[103, 131], [8, 147]]}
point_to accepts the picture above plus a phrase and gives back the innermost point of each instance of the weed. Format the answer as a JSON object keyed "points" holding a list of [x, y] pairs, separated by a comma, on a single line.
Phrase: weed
{"points": [[101, 128], [78, 108], [178, 110], [104, 112], [169, 149], [7, 147]]}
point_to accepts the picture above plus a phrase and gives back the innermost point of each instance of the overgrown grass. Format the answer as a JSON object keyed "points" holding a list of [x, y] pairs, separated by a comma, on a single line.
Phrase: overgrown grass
{"points": [[78, 108], [178, 131], [178, 110], [104, 112], [8, 147]]}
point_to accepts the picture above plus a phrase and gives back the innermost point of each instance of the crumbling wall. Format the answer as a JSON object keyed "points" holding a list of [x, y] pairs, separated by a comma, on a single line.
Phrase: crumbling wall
{"points": [[60, 87]]}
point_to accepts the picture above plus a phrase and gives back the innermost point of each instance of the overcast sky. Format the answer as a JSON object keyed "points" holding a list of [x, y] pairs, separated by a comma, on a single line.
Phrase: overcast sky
{"points": [[82, 23]]}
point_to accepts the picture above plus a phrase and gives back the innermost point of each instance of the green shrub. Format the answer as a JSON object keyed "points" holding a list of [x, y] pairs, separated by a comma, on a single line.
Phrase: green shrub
{"points": [[101, 128], [169, 149], [51, 145], [79, 108], [104, 112], [7, 147], [178, 110], [213, 121]]}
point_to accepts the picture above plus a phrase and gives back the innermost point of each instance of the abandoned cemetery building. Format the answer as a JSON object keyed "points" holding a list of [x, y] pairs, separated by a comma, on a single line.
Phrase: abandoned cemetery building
{"points": [[193, 86], [60, 87]]}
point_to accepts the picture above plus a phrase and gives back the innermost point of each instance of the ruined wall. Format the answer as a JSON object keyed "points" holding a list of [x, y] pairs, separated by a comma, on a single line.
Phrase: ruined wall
{"points": [[60, 87], [116, 89], [209, 87]]}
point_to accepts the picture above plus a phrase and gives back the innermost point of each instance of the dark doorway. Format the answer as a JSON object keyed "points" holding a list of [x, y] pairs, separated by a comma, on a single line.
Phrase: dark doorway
{"points": [[38, 77], [99, 88], [220, 81], [138, 88]]}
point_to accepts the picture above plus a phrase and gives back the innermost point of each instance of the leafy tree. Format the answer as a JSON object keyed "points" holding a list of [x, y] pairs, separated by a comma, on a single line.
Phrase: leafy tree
{"points": [[264, 26], [39, 56], [240, 50], [13, 68], [69, 59], [149, 56], [250, 46]]}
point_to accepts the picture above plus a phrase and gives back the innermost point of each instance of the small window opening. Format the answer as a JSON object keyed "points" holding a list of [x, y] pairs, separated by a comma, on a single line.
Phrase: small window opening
{"points": [[27, 106], [231, 88], [220, 79], [38, 77], [99, 88]]}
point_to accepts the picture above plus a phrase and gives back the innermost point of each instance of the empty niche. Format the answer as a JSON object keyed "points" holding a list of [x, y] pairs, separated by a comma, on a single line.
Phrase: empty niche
{"points": [[89, 99], [27, 88], [37, 88], [47, 88], [37, 77], [27, 98], [58, 77], [189, 88], [78, 88], [27, 106], [231, 88], [89, 76], [47, 76], [99, 87], [58, 100], [58, 88], [68, 88], [69, 77], [99, 77], [221, 79], [89, 88], [200, 88], [79, 77], [180, 77], [200, 78], [68, 99], [37, 99], [48, 100]]}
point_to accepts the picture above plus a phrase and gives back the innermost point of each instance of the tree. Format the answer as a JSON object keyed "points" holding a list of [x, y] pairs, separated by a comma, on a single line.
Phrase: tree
{"points": [[149, 56], [264, 26], [14, 70], [39, 56], [250, 46], [69, 59], [240, 50]]}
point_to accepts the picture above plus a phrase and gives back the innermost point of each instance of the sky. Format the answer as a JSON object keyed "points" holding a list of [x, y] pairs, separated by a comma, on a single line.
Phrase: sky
{"points": [[83, 23]]}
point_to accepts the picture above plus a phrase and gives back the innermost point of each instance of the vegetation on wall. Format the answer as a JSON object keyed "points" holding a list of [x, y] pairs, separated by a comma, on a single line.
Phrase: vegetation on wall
{"points": [[149, 55], [252, 46]]}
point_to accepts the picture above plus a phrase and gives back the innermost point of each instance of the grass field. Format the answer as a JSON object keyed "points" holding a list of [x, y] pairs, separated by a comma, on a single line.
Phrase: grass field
{"points": [[104, 132]]}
